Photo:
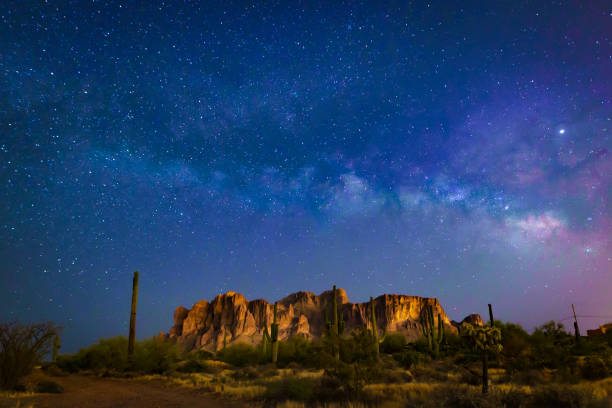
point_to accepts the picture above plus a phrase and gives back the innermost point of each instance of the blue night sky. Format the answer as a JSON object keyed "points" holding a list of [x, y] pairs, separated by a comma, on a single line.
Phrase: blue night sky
{"points": [[455, 149]]}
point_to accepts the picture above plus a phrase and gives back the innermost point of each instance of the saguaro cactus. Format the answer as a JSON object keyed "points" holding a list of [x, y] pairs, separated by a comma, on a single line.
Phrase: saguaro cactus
{"points": [[265, 341], [337, 326], [429, 330], [56, 347], [274, 335], [374, 328], [132, 338]]}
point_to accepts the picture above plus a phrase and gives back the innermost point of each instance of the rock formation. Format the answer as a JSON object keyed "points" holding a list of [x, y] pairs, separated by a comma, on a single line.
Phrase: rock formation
{"points": [[206, 324], [473, 319]]}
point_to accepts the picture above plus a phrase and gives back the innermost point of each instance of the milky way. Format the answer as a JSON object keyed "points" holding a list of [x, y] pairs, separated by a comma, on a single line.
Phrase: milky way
{"points": [[460, 151]]}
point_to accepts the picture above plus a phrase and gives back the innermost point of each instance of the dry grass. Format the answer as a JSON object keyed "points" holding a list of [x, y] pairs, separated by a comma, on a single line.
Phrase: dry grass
{"points": [[294, 404], [397, 392], [225, 385], [14, 404]]}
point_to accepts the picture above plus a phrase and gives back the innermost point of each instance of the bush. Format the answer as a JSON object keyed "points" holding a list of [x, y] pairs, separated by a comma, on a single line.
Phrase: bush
{"points": [[563, 396], [594, 368], [108, 355], [21, 348], [393, 343], [291, 388], [240, 355], [297, 350], [246, 373], [155, 356], [409, 358]]}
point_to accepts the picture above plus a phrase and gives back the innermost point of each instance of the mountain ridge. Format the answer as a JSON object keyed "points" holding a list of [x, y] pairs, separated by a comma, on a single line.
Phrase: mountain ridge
{"points": [[231, 317]]}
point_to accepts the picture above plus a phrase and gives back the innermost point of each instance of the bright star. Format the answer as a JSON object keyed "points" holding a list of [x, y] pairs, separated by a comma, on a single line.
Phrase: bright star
{"points": [[561, 131]]}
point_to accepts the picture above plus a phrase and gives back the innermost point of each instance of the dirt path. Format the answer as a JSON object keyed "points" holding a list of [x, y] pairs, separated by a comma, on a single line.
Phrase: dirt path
{"points": [[93, 392]]}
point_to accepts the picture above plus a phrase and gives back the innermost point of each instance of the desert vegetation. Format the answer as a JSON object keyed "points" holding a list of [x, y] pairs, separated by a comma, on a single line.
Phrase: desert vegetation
{"points": [[499, 364], [547, 368]]}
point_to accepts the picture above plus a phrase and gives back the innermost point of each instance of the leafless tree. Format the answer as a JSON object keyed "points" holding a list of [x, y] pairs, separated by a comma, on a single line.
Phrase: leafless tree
{"points": [[22, 346]]}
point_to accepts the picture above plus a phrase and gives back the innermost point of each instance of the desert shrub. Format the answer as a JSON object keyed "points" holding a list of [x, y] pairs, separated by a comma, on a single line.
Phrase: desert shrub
{"points": [[564, 396], [393, 343], [453, 396], [202, 354], [49, 387], [516, 354], [107, 355], [429, 373], [396, 377], [421, 345], [291, 388], [240, 355], [452, 344], [470, 377], [22, 346], [529, 377], [349, 379], [155, 355], [551, 345], [297, 350], [54, 370], [246, 373], [268, 371], [191, 366], [358, 347], [409, 358], [594, 368]]}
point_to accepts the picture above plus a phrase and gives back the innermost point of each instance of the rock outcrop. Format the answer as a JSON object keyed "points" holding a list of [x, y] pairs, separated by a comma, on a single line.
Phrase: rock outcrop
{"points": [[233, 318], [473, 319]]}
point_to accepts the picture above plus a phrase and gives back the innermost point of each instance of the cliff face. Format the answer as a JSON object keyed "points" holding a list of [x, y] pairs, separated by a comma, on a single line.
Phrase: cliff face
{"points": [[232, 318]]}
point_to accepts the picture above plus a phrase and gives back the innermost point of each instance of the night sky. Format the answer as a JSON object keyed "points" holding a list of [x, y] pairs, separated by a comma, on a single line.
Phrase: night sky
{"points": [[459, 150]]}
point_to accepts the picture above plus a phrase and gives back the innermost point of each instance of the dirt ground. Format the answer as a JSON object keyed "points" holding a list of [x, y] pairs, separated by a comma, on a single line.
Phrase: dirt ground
{"points": [[94, 392]]}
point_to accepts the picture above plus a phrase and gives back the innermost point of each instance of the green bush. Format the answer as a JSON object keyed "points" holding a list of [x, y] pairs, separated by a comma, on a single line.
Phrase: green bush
{"points": [[291, 388], [393, 343], [246, 373], [108, 355], [155, 356], [409, 358], [594, 368], [358, 347], [240, 355], [152, 356], [297, 350]]}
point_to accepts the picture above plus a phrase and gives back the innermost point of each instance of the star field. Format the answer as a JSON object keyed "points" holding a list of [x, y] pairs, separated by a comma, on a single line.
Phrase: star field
{"points": [[460, 151]]}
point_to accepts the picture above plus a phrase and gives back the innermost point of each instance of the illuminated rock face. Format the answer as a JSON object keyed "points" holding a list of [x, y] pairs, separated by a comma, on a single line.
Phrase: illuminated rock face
{"points": [[230, 317]]}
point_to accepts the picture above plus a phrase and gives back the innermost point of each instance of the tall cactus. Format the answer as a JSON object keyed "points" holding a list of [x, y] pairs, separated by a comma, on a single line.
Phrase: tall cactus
{"points": [[374, 328], [274, 335], [434, 338], [56, 347], [132, 338], [335, 313], [265, 341], [336, 328]]}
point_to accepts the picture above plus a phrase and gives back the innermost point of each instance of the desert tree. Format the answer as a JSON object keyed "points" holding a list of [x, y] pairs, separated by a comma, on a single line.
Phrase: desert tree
{"points": [[22, 347]]}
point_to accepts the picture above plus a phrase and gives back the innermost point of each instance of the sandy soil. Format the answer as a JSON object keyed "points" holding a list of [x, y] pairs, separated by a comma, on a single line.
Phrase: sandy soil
{"points": [[93, 392]]}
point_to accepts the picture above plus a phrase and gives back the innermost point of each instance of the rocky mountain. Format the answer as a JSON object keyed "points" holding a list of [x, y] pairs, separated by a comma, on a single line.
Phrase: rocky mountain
{"points": [[230, 317]]}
